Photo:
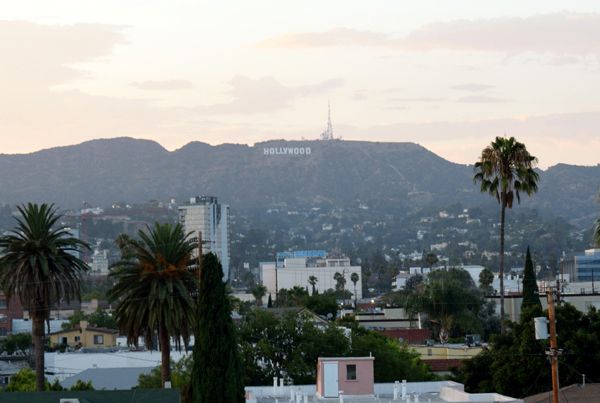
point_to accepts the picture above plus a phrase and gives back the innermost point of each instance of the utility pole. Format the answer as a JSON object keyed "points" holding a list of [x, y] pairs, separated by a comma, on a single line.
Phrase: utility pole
{"points": [[553, 353]]}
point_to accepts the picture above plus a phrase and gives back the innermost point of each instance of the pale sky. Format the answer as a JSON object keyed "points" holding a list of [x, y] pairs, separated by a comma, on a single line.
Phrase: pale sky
{"points": [[449, 75]]}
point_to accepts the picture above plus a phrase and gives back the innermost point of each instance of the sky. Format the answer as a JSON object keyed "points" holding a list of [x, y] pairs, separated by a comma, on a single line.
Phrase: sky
{"points": [[449, 75]]}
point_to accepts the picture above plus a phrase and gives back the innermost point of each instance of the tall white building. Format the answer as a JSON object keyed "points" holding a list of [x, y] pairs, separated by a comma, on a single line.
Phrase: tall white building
{"points": [[205, 214]]}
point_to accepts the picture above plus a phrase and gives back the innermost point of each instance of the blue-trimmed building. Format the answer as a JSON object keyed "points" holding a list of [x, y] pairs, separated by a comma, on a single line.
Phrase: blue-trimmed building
{"points": [[583, 266]]}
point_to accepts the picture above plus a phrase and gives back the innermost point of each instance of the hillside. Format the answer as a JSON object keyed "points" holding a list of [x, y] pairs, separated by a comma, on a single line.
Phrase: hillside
{"points": [[392, 177]]}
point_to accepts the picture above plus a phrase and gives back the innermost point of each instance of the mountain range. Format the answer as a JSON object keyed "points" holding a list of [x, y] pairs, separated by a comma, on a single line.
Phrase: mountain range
{"points": [[389, 177]]}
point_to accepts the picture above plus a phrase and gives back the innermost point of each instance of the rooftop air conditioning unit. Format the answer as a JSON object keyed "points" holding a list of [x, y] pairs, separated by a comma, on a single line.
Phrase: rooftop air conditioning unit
{"points": [[69, 400]]}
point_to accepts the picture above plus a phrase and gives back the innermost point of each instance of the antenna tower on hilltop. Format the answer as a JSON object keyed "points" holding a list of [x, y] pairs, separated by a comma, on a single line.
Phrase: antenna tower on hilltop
{"points": [[328, 133]]}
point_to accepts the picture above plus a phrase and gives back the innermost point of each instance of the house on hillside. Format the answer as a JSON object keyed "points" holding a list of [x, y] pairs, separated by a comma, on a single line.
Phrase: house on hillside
{"points": [[84, 336]]}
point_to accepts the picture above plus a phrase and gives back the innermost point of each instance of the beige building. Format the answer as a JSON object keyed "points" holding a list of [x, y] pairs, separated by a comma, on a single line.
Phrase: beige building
{"points": [[84, 336]]}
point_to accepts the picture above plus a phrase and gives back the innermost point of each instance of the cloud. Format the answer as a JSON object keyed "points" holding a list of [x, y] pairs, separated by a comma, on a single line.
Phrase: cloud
{"points": [[480, 99], [44, 53], [416, 99], [359, 95], [570, 138], [334, 37], [561, 33], [472, 87], [266, 94], [166, 85]]}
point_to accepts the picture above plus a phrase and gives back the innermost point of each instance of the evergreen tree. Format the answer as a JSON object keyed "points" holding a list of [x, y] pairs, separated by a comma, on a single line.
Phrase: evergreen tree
{"points": [[270, 302], [530, 288], [217, 371]]}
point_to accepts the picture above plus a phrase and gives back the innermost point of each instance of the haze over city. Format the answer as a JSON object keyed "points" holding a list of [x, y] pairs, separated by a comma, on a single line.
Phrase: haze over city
{"points": [[447, 75]]}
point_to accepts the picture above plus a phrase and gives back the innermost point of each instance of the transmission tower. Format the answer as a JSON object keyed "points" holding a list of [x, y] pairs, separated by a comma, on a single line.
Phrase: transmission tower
{"points": [[328, 133]]}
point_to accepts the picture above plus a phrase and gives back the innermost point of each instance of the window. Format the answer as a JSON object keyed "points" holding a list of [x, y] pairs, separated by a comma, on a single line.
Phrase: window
{"points": [[98, 339], [351, 372], [3, 304], [77, 339]]}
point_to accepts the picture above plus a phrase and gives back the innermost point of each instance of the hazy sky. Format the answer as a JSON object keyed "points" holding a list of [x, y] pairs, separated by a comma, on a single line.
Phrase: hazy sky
{"points": [[449, 75]]}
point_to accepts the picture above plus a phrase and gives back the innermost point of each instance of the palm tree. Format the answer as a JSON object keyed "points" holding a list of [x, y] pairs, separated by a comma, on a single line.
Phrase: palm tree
{"points": [[40, 266], [597, 233], [504, 170], [354, 278], [340, 285], [154, 288], [312, 280], [258, 293], [123, 242]]}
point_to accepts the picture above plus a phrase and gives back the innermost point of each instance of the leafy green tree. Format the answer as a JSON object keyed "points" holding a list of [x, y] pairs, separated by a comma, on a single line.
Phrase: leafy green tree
{"points": [[504, 170], [516, 364], [217, 372], [286, 346], [103, 319], [413, 282], [486, 278], [39, 266], [25, 381], [322, 304], [82, 385], [154, 289], [15, 342], [430, 260], [258, 293], [393, 360], [74, 319], [312, 280], [181, 376], [530, 289], [450, 299], [354, 278]]}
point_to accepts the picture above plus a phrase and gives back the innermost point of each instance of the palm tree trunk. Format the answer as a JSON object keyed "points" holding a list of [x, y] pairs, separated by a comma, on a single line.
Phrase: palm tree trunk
{"points": [[38, 345], [502, 218], [165, 352]]}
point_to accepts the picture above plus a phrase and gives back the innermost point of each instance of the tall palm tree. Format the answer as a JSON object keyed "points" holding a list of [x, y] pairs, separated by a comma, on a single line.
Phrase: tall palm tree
{"points": [[312, 280], [354, 278], [340, 285], [154, 288], [504, 170], [40, 266]]}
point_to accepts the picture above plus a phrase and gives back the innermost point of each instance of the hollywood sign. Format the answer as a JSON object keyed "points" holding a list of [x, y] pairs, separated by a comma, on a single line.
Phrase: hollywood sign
{"points": [[287, 151]]}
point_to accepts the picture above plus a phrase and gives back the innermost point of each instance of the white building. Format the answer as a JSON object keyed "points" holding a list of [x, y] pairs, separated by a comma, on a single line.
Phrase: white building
{"points": [[99, 263], [204, 214], [295, 269]]}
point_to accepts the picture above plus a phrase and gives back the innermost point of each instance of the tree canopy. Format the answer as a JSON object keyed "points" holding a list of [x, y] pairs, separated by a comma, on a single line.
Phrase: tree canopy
{"points": [[40, 266], [530, 289], [506, 169], [154, 286], [217, 374]]}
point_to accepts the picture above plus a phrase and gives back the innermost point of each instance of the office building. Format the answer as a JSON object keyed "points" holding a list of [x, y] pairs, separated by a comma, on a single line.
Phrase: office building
{"points": [[205, 214], [582, 266], [297, 268]]}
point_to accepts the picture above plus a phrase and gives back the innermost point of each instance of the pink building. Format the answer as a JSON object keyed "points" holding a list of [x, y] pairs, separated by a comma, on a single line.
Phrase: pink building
{"points": [[351, 376]]}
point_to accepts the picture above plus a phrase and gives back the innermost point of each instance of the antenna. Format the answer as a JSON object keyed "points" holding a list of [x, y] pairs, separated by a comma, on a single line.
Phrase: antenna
{"points": [[328, 133]]}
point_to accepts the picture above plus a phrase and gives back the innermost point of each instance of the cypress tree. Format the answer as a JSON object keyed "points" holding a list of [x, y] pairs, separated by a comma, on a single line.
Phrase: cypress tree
{"points": [[530, 288], [270, 302], [217, 371]]}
